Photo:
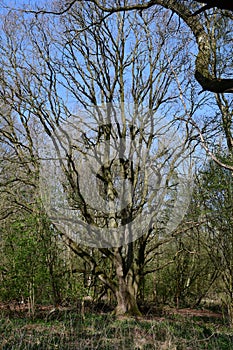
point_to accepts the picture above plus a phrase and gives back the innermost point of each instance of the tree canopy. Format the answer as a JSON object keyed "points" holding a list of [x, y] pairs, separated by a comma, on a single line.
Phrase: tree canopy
{"points": [[206, 78]]}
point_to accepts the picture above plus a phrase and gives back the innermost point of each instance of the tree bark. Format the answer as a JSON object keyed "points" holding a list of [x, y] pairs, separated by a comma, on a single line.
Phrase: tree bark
{"points": [[126, 300], [127, 287]]}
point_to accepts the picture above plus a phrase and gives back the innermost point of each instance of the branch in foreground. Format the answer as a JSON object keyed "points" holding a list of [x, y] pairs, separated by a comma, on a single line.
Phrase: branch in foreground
{"points": [[213, 84], [208, 151], [202, 75], [220, 4]]}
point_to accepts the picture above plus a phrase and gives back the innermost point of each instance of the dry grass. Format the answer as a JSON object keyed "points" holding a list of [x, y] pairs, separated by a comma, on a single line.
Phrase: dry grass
{"points": [[66, 329]]}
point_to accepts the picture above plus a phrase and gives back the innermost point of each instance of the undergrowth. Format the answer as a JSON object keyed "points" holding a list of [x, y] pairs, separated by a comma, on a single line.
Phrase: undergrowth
{"points": [[67, 329]]}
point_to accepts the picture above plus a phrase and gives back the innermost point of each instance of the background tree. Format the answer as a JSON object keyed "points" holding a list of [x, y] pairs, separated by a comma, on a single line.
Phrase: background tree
{"points": [[216, 200], [33, 267]]}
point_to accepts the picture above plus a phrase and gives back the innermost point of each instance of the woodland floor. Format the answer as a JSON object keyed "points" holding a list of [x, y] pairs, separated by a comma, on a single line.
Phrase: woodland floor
{"points": [[66, 328]]}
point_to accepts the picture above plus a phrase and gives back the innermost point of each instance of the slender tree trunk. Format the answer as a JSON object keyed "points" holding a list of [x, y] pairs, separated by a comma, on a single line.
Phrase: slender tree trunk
{"points": [[230, 306], [230, 313]]}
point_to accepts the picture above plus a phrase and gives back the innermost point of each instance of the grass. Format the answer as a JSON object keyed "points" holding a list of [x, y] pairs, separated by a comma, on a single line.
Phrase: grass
{"points": [[66, 329]]}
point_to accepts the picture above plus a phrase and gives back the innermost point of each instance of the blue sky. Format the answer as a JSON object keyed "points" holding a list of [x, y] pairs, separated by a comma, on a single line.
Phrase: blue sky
{"points": [[26, 4]]}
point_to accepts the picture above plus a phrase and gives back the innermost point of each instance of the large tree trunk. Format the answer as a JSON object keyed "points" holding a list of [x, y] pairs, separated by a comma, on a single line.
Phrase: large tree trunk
{"points": [[127, 288], [126, 300]]}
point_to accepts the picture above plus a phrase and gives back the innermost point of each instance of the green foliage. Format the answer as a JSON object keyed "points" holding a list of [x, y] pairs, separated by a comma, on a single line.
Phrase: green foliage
{"points": [[32, 260]]}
